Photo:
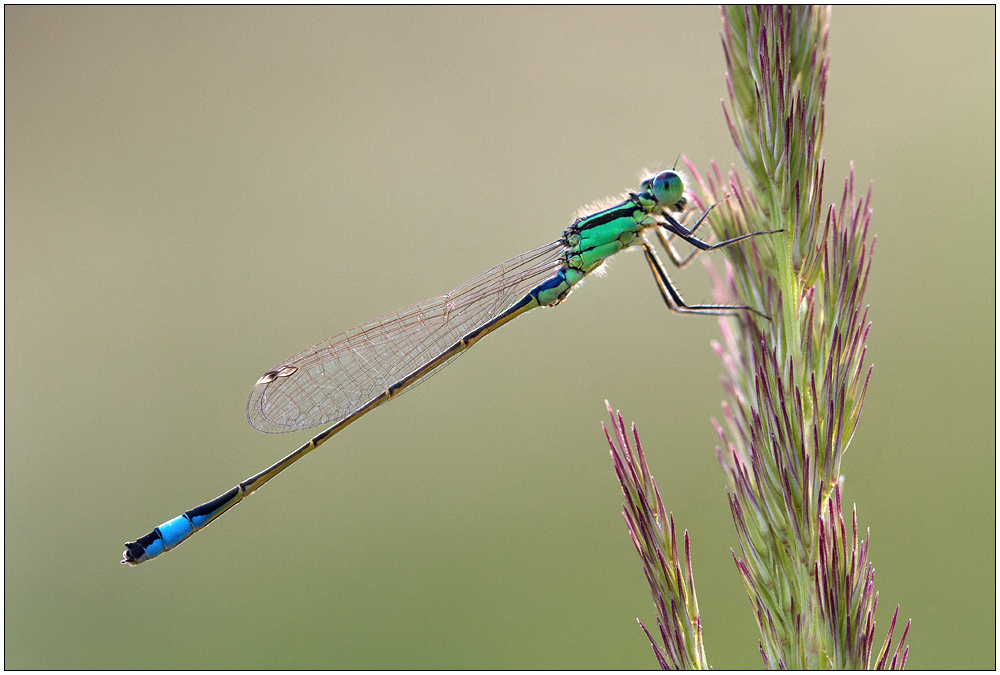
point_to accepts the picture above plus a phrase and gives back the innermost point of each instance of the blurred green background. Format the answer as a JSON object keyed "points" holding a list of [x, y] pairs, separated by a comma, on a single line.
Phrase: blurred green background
{"points": [[193, 195]]}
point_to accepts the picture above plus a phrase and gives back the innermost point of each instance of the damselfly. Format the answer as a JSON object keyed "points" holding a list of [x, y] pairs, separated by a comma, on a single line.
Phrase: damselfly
{"points": [[341, 379]]}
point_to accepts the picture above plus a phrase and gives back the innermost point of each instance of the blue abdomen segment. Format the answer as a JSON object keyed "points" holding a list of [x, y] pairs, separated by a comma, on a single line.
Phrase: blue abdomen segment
{"points": [[171, 533], [553, 290]]}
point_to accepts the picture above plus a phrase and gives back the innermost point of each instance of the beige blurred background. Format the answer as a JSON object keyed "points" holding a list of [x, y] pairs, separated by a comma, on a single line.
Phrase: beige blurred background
{"points": [[193, 195]]}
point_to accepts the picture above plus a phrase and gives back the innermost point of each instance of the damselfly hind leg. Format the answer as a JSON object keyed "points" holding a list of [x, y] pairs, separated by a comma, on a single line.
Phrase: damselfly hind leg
{"points": [[673, 299]]}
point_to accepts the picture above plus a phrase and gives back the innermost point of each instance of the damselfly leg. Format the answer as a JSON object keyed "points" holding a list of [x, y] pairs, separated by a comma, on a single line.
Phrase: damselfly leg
{"points": [[671, 296]]}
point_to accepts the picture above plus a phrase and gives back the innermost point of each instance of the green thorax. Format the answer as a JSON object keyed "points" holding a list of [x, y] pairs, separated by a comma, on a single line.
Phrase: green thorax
{"points": [[595, 237]]}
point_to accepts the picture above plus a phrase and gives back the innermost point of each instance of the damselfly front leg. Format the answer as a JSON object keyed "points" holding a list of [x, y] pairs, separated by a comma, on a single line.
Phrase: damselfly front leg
{"points": [[680, 262], [671, 224]]}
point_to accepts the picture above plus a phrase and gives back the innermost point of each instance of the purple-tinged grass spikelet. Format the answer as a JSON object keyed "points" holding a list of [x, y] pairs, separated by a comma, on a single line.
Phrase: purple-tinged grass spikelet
{"points": [[670, 579]]}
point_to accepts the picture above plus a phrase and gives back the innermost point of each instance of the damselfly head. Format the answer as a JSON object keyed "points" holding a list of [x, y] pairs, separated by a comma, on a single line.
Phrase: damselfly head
{"points": [[667, 187]]}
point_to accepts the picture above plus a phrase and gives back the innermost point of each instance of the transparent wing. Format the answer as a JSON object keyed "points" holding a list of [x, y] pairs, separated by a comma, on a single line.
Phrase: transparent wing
{"points": [[332, 380]]}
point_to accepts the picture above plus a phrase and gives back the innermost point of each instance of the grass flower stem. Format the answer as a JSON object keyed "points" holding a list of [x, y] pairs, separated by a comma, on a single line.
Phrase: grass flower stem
{"points": [[794, 384]]}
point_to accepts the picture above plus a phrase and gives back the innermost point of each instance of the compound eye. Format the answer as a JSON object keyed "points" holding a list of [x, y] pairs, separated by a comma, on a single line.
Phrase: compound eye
{"points": [[668, 188]]}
